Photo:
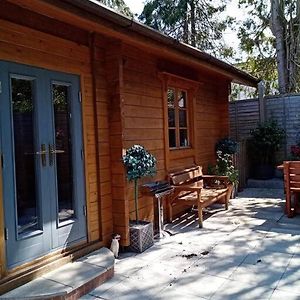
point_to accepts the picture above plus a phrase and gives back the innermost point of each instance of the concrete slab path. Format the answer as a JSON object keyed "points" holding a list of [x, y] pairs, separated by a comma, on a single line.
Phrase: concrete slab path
{"points": [[251, 251]]}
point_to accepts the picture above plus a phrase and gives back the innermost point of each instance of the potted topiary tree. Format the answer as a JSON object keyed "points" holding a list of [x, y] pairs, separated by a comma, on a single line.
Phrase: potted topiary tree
{"points": [[265, 140], [139, 163]]}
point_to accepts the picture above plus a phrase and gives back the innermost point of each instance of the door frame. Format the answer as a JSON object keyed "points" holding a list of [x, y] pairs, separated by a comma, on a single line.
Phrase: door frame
{"points": [[3, 264], [2, 223]]}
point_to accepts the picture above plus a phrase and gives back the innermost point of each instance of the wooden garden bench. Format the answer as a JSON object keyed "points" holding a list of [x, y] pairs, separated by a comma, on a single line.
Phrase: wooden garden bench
{"points": [[291, 171], [192, 188]]}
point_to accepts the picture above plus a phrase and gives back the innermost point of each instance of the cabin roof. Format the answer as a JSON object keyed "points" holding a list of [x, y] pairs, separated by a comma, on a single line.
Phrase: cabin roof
{"points": [[100, 10]]}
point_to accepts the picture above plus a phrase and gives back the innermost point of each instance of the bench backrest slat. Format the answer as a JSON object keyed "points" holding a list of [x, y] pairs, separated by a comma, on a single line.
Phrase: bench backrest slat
{"points": [[185, 176], [292, 174]]}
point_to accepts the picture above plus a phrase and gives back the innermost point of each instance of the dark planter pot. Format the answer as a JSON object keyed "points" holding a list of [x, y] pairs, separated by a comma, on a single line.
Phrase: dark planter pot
{"points": [[264, 172]]}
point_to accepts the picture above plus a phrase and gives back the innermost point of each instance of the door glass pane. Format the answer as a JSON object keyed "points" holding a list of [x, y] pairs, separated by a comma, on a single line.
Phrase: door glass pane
{"points": [[62, 152], [24, 150]]}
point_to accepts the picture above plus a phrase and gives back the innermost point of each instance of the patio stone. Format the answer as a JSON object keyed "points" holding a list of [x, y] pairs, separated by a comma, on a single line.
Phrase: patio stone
{"points": [[280, 242], [71, 279], [124, 291], [268, 258], [107, 285], [74, 275], [101, 258], [202, 285], [248, 252], [290, 280], [258, 274], [176, 294], [279, 295], [37, 288], [89, 297], [214, 265], [236, 290], [126, 267], [152, 253], [145, 283]]}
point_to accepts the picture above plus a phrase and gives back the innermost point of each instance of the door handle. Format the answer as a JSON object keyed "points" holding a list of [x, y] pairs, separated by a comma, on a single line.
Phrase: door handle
{"points": [[41, 153], [52, 153]]}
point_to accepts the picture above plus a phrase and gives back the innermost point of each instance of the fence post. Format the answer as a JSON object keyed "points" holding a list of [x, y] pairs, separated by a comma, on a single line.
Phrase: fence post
{"points": [[261, 100]]}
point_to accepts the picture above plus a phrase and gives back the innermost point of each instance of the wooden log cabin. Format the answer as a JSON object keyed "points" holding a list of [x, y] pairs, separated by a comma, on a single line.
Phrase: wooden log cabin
{"points": [[80, 83]]}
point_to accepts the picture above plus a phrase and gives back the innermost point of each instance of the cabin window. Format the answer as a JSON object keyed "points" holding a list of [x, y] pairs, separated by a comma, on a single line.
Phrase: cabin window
{"points": [[178, 119]]}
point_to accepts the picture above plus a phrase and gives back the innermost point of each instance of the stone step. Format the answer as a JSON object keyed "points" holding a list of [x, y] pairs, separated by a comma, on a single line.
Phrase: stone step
{"points": [[274, 183], [70, 281]]}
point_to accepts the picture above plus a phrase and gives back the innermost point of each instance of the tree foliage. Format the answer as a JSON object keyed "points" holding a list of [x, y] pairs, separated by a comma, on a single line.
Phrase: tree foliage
{"points": [[194, 22], [271, 37], [118, 5]]}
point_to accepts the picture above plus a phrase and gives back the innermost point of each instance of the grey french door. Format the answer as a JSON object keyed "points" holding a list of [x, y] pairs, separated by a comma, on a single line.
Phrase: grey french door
{"points": [[42, 161]]}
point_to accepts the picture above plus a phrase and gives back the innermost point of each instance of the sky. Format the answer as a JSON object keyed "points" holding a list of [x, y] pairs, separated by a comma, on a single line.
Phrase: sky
{"points": [[136, 6]]}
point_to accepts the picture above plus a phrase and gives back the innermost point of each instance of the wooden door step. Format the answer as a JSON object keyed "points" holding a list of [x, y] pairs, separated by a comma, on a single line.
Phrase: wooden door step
{"points": [[70, 281], [32, 270]]}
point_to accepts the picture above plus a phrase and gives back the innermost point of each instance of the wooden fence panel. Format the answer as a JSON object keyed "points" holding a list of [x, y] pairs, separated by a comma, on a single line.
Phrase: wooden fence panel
{"points": [[244, 116]]}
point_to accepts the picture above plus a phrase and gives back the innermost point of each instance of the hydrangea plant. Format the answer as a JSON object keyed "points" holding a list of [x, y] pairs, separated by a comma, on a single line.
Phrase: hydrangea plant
{"points": [[138, 163], [225, 167]]}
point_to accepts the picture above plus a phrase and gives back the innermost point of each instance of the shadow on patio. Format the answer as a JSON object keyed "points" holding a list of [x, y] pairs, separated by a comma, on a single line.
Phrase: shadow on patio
{"points": [[251, 251]]}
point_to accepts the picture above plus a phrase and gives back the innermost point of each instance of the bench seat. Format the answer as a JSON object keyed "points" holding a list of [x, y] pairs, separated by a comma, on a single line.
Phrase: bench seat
{"points": [[192, 188]]}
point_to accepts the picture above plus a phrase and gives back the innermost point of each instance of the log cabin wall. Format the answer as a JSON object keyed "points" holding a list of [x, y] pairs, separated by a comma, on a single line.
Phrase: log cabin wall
{"points": [[143, 118], [114, 77], [124, 101], [143, 121], [211, 120], [21, 44], [102, 206]]}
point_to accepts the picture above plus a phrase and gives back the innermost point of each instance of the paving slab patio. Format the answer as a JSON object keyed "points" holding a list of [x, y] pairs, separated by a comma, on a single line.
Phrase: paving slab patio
{"points": [[251, 251]]}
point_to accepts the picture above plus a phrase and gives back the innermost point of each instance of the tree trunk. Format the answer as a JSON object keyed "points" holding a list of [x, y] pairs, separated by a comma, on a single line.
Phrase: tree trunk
{"points": [[278, 29], [186, 23], [136, 201], [193, 23], [293, 49]]}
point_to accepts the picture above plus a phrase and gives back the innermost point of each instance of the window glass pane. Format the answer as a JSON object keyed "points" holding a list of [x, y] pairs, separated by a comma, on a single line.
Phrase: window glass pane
{"points": [[63, 149], [172, 138], [182, 99], [25, 172], [182, 118], [171, 117], [171, 98], [183, 138]]}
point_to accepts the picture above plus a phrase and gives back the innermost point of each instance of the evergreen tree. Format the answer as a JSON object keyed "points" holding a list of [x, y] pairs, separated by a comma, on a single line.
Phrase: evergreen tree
{"points": [[118, 5], [194, 22]]}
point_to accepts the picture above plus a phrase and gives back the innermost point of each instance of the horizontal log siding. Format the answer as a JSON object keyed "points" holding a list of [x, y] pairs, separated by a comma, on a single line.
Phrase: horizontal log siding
{"points": [[144, 124], [211, 120], [23, 45], [114, 75], [105, 218], [143, 119]]}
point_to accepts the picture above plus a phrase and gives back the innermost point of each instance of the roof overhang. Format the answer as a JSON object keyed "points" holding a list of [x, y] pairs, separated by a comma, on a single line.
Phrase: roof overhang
{"points": [[126, 28]]}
